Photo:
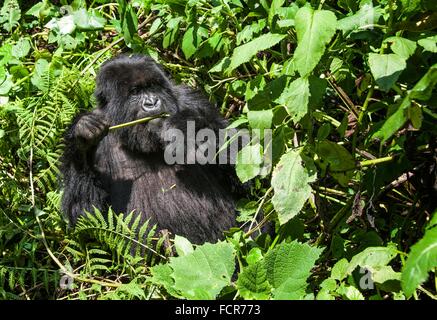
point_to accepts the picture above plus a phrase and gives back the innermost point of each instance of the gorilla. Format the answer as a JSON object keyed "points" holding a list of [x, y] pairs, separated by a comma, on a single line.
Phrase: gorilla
{"points": [[126, 168]]}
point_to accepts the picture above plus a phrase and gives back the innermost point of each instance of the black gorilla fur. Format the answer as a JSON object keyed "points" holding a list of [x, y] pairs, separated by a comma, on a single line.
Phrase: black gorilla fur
{"points": [[125, 168]]}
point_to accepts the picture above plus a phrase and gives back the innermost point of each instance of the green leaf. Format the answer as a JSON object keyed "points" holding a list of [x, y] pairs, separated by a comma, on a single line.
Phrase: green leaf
{"points": [[172, 30], [248, 31], [386, 69], [203, 273], [66, 25], [273, 10], [252, 282], [326, 287], [183, 246], [261, 119], [421, 260], [6, 84], [21, 48], [424, 87], [382, 274], [245, 52], [133, 289], [401, 46], [361, 20], [394, 122], [41, 10], [421, 91], [290, 181], [249, 162], [10, 15], [288, 268], [38, 80], [339, 270], [314, 30], [161, 275], [295, 98], [429, 44], [372, 257], [190, 42], [350, 293], [337, 159], [85, 20]]}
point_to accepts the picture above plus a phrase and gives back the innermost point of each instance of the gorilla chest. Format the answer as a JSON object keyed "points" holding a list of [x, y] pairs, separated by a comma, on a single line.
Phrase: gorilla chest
{"points": [[145, 183]]}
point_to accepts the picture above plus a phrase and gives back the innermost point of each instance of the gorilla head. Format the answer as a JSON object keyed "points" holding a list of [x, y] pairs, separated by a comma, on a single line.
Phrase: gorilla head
{"points": [[133, 87], [126, 168]]}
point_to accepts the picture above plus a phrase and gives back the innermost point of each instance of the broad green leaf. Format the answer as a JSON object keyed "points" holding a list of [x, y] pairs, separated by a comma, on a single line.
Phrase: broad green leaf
{"points": [[350, 293], [21, 48], [41, 67], [314, 30], [429, 44], [191, 40], [155, 25], [245, 52], [183, 246], [10, 15], [421, 260], [248, 31], [249, 162], [288, 268], [337, 159], [133, 289], [326, 287], [221, 65], [261, 119], [6, 54], [85, 20], [382, 274], [295, 98], [394, 122], [252, 282], [161, 275], [172, 30], [254, 255], [424, 87], [6, 82], [203, 273], [129, 24], [290, 182], [66, 25], [402, 47], [421, 91], [41, 10], [386, 69], [274, 8], [372, 257], [363, 19], [339, 270]]}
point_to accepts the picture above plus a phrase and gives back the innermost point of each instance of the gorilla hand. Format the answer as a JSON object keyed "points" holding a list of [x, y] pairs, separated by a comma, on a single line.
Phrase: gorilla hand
{"points": [[90, 129]]}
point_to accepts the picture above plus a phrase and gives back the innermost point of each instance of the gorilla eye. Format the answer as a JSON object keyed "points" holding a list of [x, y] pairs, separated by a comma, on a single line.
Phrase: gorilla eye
{"points": [[135, 90]]}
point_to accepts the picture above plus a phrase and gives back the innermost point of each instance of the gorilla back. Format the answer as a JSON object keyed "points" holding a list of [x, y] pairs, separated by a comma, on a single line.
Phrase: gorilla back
{"points": [[126, 168]]}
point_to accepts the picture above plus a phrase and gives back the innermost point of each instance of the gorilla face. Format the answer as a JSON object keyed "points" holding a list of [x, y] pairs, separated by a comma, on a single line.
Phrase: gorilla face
{"points": [[131, 88]]}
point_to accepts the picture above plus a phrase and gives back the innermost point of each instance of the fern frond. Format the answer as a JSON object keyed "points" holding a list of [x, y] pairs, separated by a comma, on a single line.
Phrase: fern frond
{"points": [[121, 234]]}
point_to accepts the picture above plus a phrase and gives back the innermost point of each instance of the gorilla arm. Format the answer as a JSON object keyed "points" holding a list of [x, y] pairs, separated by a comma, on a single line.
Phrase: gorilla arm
{"points": [[82, 186]]}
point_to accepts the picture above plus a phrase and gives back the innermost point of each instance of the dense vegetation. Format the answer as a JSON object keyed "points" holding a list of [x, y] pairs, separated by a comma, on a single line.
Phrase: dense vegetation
{"points": [[347, 87]]}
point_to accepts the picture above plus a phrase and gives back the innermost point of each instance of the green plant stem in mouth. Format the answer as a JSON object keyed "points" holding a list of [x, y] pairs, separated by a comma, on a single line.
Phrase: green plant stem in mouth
{"points": [[142, 120]]}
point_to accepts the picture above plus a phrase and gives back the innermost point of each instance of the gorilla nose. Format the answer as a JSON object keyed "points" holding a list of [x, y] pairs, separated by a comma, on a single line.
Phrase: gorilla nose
{"points": [[151, 102]]}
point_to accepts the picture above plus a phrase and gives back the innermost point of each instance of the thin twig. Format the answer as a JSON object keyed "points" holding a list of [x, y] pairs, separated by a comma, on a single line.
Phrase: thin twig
{"points": [[142, 120]]}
